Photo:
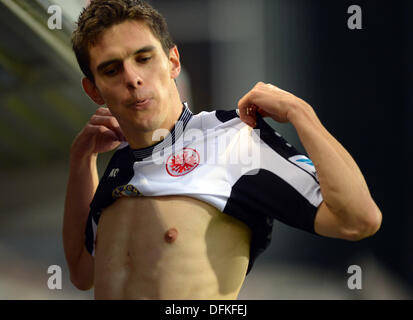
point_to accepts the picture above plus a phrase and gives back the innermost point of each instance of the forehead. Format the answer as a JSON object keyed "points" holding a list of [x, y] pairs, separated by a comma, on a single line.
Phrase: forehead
{"points": [[121, 40]]}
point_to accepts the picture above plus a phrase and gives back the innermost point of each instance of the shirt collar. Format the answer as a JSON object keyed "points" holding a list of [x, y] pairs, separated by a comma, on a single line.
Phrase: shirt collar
{"points": [[170, 139]]}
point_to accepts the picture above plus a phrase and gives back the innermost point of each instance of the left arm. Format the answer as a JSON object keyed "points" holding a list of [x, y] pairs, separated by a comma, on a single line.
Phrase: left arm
{"points": [[348, 210]]}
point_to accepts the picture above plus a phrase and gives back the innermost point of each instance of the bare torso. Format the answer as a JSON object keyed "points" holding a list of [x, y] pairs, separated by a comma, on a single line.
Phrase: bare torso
{"points": [[169, 247]]}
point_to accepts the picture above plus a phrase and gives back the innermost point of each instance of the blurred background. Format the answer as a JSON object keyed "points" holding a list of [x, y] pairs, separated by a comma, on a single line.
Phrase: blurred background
{"points": [[358, 82]]}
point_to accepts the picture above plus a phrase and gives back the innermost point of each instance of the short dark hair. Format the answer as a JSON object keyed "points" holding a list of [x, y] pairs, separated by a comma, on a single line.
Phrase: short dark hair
{"points": [[100, 15]]}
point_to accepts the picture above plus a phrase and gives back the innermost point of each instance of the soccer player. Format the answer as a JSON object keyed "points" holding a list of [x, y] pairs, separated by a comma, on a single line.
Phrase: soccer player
{"points": [[187, 201]]}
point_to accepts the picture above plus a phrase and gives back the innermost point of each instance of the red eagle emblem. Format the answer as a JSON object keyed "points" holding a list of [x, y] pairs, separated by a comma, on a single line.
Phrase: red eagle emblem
{"points": [[183, 163]]}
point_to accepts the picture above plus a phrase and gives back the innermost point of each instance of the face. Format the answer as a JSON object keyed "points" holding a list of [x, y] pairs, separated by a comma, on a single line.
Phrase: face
{"points": [[134, 77]]}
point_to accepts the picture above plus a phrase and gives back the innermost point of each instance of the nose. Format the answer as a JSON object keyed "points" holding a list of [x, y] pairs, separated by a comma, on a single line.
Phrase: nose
{"points": [[131, 75]]}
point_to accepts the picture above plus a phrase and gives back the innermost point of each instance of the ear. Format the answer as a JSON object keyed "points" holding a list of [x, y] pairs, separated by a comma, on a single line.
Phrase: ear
{"points": [[175, 63], [92, 91]]}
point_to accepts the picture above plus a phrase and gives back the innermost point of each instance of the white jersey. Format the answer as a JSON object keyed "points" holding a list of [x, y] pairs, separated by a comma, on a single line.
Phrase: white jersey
{"points": [[253, 175]]}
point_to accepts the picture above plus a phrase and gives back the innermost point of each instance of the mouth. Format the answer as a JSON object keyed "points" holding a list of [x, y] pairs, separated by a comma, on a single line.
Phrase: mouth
{"points": [[140, 103]]}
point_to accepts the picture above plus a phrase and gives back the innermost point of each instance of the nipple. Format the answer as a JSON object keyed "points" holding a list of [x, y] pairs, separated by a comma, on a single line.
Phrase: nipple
{"points": [[171, 235]]}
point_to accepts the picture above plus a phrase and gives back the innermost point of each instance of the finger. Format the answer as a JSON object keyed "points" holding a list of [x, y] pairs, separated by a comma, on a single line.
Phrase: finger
{"points": [[263, 113], [247, 110], [252, 112], [243, 103], [249, 115], [103, 111], [94, 129], [102, 133], [104, 139], [110, 122], [108, 134]]}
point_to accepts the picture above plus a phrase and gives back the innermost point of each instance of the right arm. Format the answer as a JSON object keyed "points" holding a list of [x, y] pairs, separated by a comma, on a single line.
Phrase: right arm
{"points": [[101, 134]]}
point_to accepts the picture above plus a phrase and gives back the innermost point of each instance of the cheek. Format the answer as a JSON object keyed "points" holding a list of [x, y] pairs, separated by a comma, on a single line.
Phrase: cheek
{"points": [[111, 95], [162, 72]]}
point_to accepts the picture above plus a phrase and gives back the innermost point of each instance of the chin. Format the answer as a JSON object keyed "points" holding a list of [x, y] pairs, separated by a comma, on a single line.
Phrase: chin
{"points": [[148, 125]]}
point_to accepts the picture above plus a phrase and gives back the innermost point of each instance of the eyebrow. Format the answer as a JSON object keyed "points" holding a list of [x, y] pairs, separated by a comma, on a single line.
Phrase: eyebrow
{"points": [[104, 64]]}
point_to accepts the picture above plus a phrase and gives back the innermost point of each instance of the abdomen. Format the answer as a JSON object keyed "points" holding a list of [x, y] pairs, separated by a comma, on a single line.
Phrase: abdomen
{"points": [[134, 259]]}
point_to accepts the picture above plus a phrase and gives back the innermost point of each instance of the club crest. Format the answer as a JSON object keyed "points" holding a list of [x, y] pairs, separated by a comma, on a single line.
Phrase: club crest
{"points": [[182, 163]]}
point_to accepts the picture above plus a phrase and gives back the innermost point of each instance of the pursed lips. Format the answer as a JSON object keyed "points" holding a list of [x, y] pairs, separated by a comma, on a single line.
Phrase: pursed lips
{"points": [[137, 102]]}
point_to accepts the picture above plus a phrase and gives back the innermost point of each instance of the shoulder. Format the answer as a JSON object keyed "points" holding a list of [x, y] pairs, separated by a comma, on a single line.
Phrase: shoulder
{"points": [[229, 117], [122, 153], [122, 158], [215, 118]]}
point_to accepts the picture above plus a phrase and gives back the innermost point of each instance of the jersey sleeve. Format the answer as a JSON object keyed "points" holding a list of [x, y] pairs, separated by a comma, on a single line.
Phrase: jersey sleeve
{"points": [[283, 186]]}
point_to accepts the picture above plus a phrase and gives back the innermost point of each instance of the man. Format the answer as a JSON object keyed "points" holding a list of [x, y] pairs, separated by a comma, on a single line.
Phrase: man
{"points": [[170, 219]]}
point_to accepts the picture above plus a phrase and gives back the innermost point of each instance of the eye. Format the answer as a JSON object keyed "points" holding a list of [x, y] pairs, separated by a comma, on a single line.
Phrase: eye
{"points": [[110, 71], [143, 59]]}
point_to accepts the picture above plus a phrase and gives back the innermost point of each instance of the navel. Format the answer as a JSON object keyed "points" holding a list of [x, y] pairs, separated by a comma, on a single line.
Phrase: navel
{"points": [[171, 235]]}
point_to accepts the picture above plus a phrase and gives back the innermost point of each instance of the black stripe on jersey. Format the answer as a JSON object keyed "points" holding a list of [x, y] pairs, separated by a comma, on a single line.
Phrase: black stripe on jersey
{"points": [[122, 160], [89, 241], [225, 115], [267, 133], [278, 143], [257, 199]]}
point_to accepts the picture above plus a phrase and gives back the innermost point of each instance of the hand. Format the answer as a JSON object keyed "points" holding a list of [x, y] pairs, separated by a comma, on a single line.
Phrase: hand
{"points": [[269, 101], [101, 134]]}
